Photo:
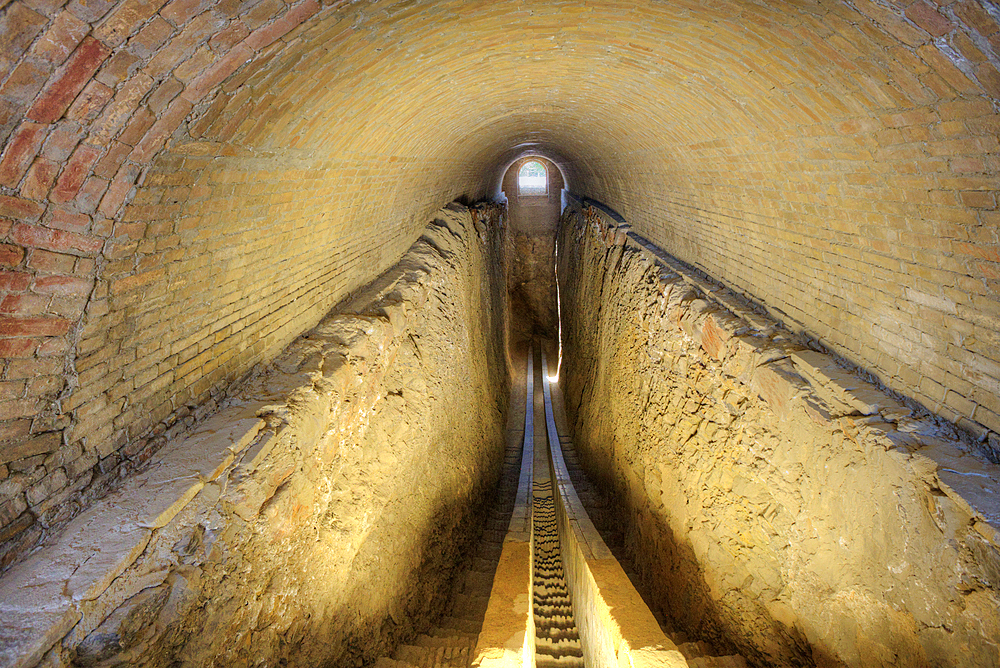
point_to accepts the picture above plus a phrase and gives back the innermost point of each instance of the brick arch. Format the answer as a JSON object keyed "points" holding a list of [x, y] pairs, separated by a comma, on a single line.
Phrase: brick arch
{"points": [[186, 185], [556, 176], [507, 175]]}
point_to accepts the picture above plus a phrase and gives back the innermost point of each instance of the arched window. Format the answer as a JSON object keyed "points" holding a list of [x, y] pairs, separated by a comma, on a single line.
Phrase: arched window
{"points": [[532, 179]]}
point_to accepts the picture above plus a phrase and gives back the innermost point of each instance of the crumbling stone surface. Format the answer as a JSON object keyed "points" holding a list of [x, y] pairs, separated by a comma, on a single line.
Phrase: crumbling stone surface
{"points": [[773, 502], [317, 517]]}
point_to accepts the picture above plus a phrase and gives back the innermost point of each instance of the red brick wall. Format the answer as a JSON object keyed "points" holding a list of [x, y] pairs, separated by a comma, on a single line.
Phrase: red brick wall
{"points": [[837, 161]]}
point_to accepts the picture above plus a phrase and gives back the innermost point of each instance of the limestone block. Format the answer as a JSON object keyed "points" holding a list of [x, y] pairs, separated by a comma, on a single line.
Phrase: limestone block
{"points": [[396, 312], [845, 392], [156, 496], [40, 598], [649, 657], [778, 385], [818, 411], [717, 330], [969, 481], [207, 452], [360, 336], [125, 586], [123, 628], [247, 498], [258, 452], [988, 531], [118, 548], [25, 636], [746, 354], [691, 321]]}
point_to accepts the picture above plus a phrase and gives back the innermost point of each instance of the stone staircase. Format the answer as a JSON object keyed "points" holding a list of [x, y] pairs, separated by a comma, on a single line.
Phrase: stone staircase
{"points": [[703, 655], [452, 642], [557, 642]]}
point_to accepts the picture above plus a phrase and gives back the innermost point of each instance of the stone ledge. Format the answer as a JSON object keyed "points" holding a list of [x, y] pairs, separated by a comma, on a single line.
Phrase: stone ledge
{"points": [[98, 545]]}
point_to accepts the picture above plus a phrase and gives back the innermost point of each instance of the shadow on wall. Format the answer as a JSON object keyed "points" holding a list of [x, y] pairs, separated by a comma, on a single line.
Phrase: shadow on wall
{"points": [[533, 186]]}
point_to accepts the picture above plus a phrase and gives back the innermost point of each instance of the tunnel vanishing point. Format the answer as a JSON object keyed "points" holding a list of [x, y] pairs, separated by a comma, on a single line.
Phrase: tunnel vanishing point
{"points": [[404, 333]]}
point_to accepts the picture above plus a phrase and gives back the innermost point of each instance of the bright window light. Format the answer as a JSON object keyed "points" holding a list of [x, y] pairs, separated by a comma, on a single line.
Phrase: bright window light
{"points": [[532, 179]]}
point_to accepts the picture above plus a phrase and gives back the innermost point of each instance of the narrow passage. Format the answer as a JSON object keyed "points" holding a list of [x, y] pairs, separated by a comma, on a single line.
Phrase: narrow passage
{"points": [[527, 471], [557, 642]]}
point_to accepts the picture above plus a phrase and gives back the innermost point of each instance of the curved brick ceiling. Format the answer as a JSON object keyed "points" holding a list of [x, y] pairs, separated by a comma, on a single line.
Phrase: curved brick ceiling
{"points": [[838, 161]]}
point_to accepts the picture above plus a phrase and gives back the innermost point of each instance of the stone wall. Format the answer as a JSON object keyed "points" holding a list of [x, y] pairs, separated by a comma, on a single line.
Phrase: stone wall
{"points": [[315, 520], [773, 501]]}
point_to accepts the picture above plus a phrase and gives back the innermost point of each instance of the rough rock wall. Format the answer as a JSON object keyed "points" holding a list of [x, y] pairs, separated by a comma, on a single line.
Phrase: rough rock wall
{"points": [[316, 519], [772, 500]]}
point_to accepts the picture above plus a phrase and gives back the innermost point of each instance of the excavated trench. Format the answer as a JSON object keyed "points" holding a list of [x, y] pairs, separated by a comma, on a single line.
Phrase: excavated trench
{"points": [[672, 497], [536, 406], [539, 443]]}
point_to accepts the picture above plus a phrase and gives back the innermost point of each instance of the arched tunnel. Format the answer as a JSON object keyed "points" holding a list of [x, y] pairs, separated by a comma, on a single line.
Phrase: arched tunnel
{"points": [[272, 292]]}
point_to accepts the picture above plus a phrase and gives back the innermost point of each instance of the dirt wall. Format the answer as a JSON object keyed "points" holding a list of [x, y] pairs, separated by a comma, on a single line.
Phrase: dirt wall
{"points": [[773, 501], [316, 519]]}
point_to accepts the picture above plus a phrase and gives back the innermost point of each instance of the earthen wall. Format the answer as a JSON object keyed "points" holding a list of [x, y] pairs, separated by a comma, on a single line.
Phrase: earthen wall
{"points": [[317, 517], [773, 501]]}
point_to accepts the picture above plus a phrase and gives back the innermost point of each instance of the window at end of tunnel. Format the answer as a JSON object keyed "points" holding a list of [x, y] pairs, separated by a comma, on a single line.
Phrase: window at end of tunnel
{"points": [[532, 179]]}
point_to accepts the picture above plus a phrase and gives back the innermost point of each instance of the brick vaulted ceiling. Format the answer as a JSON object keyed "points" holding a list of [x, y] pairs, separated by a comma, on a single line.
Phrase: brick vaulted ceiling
{"points": [[187, 185]]}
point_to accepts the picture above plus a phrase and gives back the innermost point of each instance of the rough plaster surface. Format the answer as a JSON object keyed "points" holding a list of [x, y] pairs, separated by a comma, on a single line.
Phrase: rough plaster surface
{"points": [[315, 520], [771, 503]]}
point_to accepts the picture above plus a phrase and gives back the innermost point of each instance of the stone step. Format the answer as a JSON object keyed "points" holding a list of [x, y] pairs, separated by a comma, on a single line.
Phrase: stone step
{"points": [[477, 583], [554, 622], [494, 535], [489, 551], [557, 633], [386, 662], [429, 657], [695, 649], [558, 647], [542, 611], [467, 640], [439, 632], [484, 565], [469, 607]]}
